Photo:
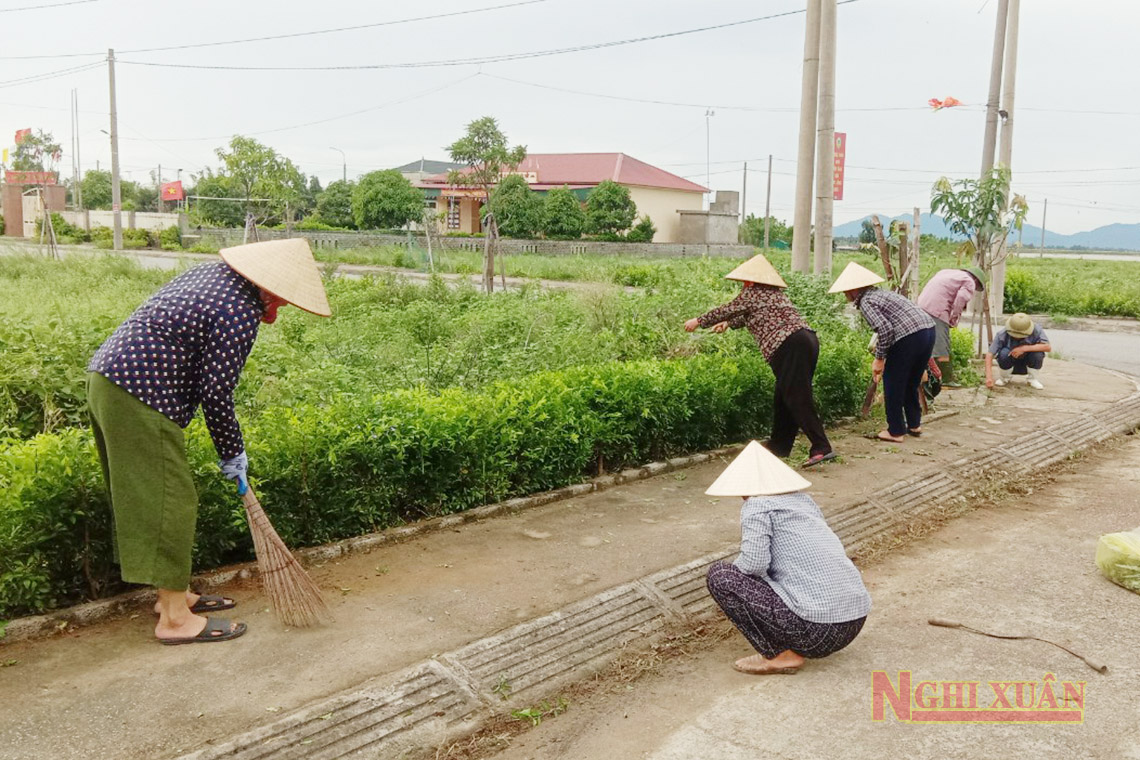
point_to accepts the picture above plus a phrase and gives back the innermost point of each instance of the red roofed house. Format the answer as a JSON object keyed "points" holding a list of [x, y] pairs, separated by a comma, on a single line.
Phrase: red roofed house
{"points": [[658, 194]]}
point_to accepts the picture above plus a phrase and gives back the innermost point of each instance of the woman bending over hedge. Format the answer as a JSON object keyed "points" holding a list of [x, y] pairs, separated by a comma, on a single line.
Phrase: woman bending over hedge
{"points": [[790, 347], [185, 347]]}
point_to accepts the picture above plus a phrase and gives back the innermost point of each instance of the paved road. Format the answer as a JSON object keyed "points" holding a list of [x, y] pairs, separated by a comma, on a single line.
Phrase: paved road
{"points": [[1117, 351], [1025, 565]]}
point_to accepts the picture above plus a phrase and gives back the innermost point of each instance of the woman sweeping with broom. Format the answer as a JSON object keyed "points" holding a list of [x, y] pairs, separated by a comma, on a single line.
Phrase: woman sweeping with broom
{"points": [[788, 344], [184, 348]]}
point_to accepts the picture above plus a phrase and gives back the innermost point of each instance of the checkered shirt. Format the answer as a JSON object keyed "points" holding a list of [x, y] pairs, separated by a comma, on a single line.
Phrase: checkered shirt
{"points": [[892, 317], [765, 310], [186, 346], [786, 542]]}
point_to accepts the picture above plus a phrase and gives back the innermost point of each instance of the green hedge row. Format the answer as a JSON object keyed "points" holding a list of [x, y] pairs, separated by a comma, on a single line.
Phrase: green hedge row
{"points": [[328, 472]]}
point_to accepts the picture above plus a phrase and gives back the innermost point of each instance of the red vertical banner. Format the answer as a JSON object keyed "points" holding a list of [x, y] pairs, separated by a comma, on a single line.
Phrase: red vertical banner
{"points": [[840, 162]]}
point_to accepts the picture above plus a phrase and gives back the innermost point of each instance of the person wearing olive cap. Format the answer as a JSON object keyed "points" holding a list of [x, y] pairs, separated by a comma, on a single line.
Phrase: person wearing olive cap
{"points": [[944, 298], [183, 348], [1019, 349], [790, 347], [792, 591]]}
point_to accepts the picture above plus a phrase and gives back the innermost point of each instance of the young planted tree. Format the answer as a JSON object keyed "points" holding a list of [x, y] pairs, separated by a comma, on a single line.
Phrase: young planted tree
{"points": [[484, 149], [610, 210], [516, 208], [982, 211], [270, 184], [386, 200], [562, 215], [37, 152]]}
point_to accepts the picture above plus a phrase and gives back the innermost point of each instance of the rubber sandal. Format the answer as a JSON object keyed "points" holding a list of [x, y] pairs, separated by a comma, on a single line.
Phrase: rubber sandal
{"points": [[879, 437], [217, 629], [212, 603], [762, 672], [815, 459], [915, 433]]}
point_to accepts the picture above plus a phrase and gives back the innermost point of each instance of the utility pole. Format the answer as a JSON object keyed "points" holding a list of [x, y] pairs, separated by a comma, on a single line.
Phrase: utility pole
{"points": [[768, 202], [161, 203], [805, 155], [709, 113], [116, 190], [344, 164], [744, 196], [78, 160], [825, 140], [989, 142], [1044, 210], [1005, 150], [74, 168]]}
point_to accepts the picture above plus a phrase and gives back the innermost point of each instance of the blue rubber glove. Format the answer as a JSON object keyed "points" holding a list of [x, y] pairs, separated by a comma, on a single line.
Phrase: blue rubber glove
{"points": [[236, 469]]}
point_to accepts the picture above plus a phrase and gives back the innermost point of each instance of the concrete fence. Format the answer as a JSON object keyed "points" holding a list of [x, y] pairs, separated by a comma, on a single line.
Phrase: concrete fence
{"points": [[131, 220], [221, 237]]}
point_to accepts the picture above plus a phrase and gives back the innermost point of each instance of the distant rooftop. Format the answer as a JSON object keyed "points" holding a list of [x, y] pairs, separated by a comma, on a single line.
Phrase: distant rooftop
{"points": [[588, 169], [429, 167]]}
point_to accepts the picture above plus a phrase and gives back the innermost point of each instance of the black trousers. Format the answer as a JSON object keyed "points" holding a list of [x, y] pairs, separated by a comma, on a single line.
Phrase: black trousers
{"points": [[793, 363], [1023, 363], [906, 361]]}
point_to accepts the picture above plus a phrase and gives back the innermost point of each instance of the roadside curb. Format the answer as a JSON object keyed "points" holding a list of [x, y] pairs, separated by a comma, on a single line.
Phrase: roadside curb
{"points": [[447, 696], [102, 610]]}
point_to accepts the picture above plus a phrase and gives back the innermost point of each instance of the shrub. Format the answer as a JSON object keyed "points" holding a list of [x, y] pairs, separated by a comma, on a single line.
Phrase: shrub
{"points": [[517, 208], [562, 215], [102, 237], [642, 232], [138, 239], [609, 209], [171, 238]]}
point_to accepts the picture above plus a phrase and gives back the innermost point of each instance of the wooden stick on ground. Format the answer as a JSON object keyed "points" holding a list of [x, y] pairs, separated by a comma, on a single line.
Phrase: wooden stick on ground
{"points": [[296, 600]]}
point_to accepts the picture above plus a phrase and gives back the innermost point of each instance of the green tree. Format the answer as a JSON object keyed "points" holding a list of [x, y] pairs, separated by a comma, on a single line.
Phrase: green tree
{"points": [[385, 200], [37, 152], [334, 205], [484, 149], [752, 231], [867, 232], [562, 215], [259, 172], [221, 213], [96, 186], [517, 208], [609, 209]]}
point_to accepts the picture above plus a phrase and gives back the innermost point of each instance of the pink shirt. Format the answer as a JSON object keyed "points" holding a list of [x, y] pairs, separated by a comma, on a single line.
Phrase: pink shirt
{"points": [[946, 295]]}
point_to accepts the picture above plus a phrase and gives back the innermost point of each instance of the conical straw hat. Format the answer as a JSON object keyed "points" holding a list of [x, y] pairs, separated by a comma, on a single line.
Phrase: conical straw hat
{"points": [[757, 472], [285, 268], [855, 277], [759, 270]]}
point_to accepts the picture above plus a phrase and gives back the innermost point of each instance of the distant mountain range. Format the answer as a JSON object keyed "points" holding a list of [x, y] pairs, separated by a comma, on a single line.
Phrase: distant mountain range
{"points": [[1124, 237]]}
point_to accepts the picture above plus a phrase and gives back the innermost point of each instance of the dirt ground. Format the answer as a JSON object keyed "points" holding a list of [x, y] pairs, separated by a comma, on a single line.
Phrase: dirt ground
{"points": [[109, 691], [1024, 565]]}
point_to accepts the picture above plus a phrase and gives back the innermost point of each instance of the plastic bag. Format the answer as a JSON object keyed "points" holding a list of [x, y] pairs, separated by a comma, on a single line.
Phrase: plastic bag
{"points": [[1118, 557]]}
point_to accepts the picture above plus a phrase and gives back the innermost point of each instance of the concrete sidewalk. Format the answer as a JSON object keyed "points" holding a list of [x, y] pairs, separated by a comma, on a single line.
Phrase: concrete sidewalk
{"points": [[109, 691]]}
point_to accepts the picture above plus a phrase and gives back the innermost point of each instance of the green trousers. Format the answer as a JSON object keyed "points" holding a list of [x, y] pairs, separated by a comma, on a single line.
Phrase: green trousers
{"points": [[148, 480]]}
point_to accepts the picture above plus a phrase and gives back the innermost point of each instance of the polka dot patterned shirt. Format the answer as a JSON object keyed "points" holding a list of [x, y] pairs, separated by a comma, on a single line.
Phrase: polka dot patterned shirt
{"points": [[186, 347]]}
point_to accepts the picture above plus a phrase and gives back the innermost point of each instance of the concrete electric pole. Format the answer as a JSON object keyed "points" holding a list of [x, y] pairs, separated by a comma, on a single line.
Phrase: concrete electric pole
{"points": [[825, 140], [116, 191], [1005, 149], [768, 203], [805, 155]]}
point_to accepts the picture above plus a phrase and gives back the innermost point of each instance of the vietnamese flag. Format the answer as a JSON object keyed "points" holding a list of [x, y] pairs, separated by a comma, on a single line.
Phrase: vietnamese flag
{"points": [[172, 191]]}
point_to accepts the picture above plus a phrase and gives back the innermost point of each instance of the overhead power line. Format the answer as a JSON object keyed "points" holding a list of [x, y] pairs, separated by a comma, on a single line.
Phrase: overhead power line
{"points": [[43, 7], [471, 61], [291, 35], [44, 76]]}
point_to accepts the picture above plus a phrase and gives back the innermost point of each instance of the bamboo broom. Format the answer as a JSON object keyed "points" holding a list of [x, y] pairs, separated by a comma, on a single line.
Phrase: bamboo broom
{"points": [[295, 598]]}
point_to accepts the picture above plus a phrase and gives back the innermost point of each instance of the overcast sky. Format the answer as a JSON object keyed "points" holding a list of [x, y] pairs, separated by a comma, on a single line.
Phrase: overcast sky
{"points": [[1078, 75]]}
